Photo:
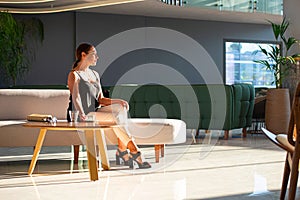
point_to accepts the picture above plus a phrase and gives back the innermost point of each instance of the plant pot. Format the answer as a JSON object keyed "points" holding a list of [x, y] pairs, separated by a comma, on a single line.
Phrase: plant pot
{"points": [[278, 110]]}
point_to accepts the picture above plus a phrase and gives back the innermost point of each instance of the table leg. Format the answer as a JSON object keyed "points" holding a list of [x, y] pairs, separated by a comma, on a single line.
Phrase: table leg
{"points": [[91, 154], [102, 148], [157, 149], [38, 146]]}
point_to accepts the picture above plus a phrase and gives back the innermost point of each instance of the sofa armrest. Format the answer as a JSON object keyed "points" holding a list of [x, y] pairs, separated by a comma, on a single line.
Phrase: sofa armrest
{"points": [[243, 105]]}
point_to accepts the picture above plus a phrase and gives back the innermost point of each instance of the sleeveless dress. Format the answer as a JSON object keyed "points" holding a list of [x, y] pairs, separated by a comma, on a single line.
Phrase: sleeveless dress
{"points": [[89, 94]]}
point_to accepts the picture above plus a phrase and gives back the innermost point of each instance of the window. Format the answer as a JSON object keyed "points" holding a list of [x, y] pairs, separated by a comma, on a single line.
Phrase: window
{"points": [[241, 68]]}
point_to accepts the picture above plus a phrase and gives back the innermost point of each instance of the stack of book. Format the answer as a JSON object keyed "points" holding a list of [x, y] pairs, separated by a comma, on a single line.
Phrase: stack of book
{"points": [[39, 117]]}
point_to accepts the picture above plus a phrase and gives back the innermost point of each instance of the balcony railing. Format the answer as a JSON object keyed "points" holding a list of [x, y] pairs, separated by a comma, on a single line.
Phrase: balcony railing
{"points": [[264, 6]]}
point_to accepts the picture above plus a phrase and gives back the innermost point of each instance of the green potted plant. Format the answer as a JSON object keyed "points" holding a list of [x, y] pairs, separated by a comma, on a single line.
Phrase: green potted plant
{"points": [[278, 59], [279, 62], [19, 40]]}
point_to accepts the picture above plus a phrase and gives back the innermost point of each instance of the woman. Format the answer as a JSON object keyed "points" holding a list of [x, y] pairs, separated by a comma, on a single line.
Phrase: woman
{"points": [[86, 96]]}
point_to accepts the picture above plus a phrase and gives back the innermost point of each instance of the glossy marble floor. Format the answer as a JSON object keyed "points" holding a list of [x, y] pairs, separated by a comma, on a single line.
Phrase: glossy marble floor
{"points": [[205, 168]]}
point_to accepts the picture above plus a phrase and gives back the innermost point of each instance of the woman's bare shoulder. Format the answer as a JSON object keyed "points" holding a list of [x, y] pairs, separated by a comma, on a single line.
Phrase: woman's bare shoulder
{"points": [[73, 74], [95, 72]]}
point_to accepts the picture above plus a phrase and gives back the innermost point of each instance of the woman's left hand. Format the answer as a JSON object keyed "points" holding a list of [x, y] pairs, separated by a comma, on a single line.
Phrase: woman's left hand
{"points": [[124, 104]]}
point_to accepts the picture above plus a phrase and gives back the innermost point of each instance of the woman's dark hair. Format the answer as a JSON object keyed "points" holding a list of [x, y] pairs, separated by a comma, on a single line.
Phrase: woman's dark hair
{"points": [[84, 47]]}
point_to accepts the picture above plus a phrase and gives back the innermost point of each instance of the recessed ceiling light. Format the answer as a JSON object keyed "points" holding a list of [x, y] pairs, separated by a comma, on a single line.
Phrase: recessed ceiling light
{"points": [[25, 1], [76, 6]]}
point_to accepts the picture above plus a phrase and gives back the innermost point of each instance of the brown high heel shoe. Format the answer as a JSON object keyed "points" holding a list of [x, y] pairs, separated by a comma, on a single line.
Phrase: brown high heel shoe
{"points": [[121, 157], [134, 160]]}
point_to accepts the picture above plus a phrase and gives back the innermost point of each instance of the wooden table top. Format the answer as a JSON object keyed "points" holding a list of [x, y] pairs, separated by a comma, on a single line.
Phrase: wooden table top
{"points": [[71, 125]]}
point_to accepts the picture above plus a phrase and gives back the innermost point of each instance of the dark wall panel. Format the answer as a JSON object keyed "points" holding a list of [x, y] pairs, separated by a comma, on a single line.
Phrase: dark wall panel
{"points": [[129, 54]]}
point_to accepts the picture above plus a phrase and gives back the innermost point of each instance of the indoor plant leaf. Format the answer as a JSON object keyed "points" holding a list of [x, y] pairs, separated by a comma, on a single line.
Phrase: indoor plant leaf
{"points": [[18, 43]]}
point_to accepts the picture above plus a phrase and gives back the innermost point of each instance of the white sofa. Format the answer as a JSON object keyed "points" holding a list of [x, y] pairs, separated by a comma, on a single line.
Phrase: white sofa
{"points": [[16, 104]]}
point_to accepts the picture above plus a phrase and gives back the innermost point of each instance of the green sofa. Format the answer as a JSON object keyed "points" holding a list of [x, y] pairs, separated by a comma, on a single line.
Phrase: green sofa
{"points": [[208, 107]]}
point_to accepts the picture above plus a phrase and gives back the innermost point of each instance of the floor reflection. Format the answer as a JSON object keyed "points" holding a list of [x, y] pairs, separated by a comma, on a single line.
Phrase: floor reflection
{"points": [[206, 167]]}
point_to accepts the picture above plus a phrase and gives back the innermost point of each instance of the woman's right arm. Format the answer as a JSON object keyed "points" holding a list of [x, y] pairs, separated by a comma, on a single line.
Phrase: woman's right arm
{"points": [[73, 81]]}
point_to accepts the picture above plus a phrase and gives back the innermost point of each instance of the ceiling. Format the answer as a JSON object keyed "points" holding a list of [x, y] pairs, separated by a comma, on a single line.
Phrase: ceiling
{"points": [[135, 7]]}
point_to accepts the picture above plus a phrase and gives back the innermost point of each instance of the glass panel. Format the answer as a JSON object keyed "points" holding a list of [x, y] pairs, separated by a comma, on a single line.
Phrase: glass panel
{"points": [[238, 5], [241, 68], [264, 6], [270, 6]]}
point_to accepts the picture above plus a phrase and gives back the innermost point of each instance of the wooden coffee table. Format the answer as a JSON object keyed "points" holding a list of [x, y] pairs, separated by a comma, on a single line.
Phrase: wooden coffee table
{"points": [[90, 129]]}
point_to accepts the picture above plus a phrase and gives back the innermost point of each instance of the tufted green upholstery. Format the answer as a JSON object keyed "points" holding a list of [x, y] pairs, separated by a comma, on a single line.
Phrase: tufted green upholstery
{"points": [[244, 105], [219, 107]]}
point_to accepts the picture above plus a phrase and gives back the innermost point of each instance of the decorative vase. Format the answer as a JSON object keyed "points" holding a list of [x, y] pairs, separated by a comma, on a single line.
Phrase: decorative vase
{"points": [[278, 110]]}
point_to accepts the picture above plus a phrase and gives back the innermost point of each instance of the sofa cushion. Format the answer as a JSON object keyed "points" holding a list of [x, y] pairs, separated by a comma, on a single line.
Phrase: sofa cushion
{"points": [[147, 131], [16, 104]]}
